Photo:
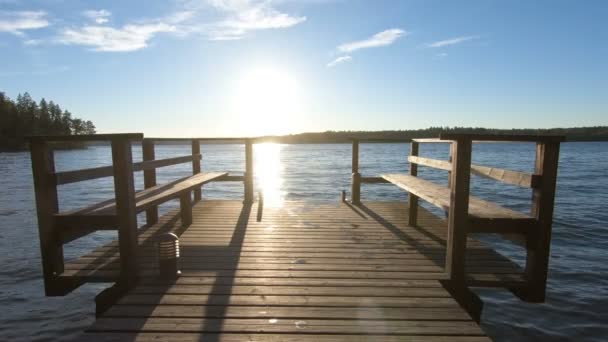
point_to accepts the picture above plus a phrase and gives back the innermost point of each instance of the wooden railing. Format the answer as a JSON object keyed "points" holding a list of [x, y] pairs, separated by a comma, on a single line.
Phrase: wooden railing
{"points": [[46, 181], [536, 230]]}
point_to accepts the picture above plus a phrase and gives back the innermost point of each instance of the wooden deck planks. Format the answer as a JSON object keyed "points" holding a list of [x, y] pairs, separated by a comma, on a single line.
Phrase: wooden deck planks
{"points": [[304, 273]]}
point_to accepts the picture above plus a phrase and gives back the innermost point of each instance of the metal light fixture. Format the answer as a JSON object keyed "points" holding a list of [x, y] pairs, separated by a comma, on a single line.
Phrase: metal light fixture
{"points": [[168, 256]]}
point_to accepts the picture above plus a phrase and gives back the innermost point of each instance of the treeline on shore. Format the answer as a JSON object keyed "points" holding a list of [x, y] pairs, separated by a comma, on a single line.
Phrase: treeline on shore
{"points": [[596, 133], [25, 117]]}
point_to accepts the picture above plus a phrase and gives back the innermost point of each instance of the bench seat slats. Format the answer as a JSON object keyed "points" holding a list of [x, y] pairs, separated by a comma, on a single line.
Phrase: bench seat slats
{"points": [[440, 196], [144, 199]]}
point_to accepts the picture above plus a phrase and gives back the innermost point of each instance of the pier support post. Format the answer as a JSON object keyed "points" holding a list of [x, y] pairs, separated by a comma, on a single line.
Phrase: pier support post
{"points": [[538, 243], [413, 199], [196, 166], [248, 172], [124, 189], [356, 176], [458, 217], [147, 148], [45, 188]]}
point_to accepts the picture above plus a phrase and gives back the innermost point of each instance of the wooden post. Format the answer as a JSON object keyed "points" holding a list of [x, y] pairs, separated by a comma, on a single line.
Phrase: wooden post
{"points": [[196, 166], [413, 199], [446, 213], [248, 171], [538, 245], [124, 190], [147, 148], [51, 246], [458, 216], [185, 205], [450, 160], [260, 206], [356, 176]]}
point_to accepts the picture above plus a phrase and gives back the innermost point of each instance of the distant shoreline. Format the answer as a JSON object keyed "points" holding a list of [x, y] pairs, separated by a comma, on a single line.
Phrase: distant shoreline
{"points": [[596, 133], [573, 134]]}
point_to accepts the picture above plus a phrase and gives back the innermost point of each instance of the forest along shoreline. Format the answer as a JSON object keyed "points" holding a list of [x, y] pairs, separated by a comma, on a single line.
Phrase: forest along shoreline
{"points": [[25, 117]]}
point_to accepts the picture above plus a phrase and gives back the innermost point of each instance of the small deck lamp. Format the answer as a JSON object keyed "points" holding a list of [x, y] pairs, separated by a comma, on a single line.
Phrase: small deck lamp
{"points": [[168, 256]]}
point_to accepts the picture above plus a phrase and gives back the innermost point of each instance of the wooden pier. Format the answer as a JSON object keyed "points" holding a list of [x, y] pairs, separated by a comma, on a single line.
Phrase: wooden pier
{"points": [[349, 271]]}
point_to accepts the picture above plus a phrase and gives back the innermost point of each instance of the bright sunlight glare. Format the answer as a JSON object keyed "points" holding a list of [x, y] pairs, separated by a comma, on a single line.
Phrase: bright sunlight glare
{"points": [[265, 101], [268, 173]]}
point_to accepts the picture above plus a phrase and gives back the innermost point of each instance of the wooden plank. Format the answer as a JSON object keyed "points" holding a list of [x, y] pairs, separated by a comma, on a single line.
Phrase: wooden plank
{"points": [[502, 137], [74, 176], [431, 140], [149, 178], [522, 226], [286, 326], [203, 139], [229, 178], [149, 197], [440, 197], [351, 291], [373, 180], [522, 179], [65, 222], [88, 137], [309, 301], [506, 176], [124, 190], [45, 190], [155, 196], [302, 312], [158, 163], [266, 337], [434, 163]]}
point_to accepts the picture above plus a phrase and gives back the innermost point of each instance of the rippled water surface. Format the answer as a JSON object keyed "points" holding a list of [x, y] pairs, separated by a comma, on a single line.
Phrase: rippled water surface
{"points": [[577, 301]]}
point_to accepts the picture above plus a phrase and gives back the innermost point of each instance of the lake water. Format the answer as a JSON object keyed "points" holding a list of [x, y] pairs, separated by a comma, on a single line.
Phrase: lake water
{"points": [[577, 297]]}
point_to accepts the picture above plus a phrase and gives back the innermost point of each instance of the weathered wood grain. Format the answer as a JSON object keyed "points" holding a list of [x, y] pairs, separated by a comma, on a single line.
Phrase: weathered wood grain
{"points": [[338, 267]]}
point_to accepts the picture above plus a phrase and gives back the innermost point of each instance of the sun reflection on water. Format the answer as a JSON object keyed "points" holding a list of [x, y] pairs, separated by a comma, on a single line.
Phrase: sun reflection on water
{"points": [[268, 172]]}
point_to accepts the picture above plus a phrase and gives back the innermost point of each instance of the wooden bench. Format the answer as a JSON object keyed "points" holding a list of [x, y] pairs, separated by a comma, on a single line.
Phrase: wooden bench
{"points": [[484, 216], [469, 214], [57, 228], [102, 215]]}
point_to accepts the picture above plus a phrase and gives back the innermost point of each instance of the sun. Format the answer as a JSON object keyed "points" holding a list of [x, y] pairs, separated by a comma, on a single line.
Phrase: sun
{"points": [[266, 100]]}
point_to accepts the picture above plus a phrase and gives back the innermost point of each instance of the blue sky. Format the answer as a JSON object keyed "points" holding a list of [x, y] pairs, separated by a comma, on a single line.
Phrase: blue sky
{"points": [[228, 68]]}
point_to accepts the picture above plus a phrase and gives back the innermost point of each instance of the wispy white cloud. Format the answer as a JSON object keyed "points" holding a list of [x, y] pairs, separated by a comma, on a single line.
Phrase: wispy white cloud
{"points": [[341, 59], [244, 16], [16, 22], [451, 41], [104, 38], [383, 38], [214, 19], [98, 16]]}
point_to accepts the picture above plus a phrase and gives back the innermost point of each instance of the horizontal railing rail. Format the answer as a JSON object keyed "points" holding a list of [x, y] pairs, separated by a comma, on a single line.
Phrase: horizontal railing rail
{"points": [[217, 139], [502, 137], [73, 176], [87, 137], [446, 138], [518, 178]]}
